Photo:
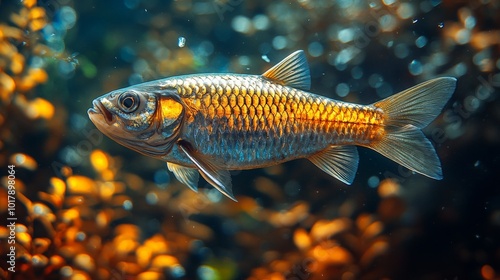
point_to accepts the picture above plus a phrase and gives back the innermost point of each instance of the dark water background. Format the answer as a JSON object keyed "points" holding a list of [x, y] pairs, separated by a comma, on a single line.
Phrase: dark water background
{"points": [[114, 214]]}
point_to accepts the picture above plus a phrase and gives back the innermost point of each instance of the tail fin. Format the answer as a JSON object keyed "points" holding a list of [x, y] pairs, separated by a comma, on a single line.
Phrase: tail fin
{"points": [[405, 114]]}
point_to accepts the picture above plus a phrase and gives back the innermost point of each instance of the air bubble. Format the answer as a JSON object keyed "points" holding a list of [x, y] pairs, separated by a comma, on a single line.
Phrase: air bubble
{"points": [[315, 49], [127, 205], [151, 198], [421, 42], [373, 181], [342, 89], [241, 24], [415, 67], [279, 42], [181, 42]]}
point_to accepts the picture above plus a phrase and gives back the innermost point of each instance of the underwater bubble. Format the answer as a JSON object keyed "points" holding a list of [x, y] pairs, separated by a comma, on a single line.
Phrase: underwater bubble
{"points": [[261, 22], [414, 20], [483, 92], [65, 68], [37, 62], [177, 271], [421, 42], [244, 60], [67, 16], [151, 198], [460, 69], [373, 181], [279, 42], [214, 195], [127, 205], [346, 55], [406, 11], [415, 67], [241, 24], [346, 35], [315, 49], [462, 36], [375, 80], [80, 236], [181, 42], [265, 58], [342, 89], [470, 22], [401, 51], [357, 72], [441, 25], [387, 22], [472, 103]]}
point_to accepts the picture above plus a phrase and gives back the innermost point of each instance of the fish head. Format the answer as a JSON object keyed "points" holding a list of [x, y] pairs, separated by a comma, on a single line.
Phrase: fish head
{"points": [[142, 119]]}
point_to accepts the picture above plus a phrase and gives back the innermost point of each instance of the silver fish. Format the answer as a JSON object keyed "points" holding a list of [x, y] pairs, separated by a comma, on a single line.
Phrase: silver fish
{"points": [[210, 123]]}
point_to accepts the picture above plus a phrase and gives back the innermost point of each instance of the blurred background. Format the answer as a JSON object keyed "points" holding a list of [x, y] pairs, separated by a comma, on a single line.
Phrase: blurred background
{"points": [[88, 208]]}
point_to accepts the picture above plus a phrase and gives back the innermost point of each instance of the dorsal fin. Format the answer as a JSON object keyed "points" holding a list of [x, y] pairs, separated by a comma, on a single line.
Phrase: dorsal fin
{"points": [[292, 71]]}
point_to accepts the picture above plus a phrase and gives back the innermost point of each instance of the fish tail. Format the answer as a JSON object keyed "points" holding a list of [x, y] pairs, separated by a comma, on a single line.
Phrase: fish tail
{"points": [[406, 113]]}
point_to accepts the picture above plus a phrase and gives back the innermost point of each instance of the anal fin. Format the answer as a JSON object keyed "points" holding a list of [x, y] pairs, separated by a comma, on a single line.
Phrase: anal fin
{"points": [[209, 169], [340, 162], [187, 176]]}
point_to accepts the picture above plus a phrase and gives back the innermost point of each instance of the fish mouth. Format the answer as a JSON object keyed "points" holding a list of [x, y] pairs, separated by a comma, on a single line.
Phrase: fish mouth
{"points": [[100, 109]]}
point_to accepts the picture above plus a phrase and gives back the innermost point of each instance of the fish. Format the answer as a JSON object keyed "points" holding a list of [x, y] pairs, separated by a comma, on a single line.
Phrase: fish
{"points": [[208, 124]]}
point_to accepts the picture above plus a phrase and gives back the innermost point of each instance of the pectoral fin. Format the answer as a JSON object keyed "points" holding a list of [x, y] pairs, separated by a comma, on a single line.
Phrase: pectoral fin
{"points": [[340, 162], [187, 176], [209, 169]]}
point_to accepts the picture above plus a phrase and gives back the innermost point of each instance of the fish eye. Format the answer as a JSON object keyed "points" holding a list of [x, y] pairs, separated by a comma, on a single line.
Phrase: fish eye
{"points": [[129, 101]]}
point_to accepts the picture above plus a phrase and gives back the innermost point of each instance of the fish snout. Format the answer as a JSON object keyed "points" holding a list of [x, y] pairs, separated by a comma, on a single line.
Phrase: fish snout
{"points": [[99, 108]]}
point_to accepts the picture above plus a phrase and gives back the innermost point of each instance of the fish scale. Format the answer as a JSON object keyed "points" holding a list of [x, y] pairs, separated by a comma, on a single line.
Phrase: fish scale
{"points": [[284, 121]]}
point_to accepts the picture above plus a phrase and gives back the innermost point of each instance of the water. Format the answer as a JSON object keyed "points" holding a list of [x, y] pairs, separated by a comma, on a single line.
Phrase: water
{"points": [[124, 216]]}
